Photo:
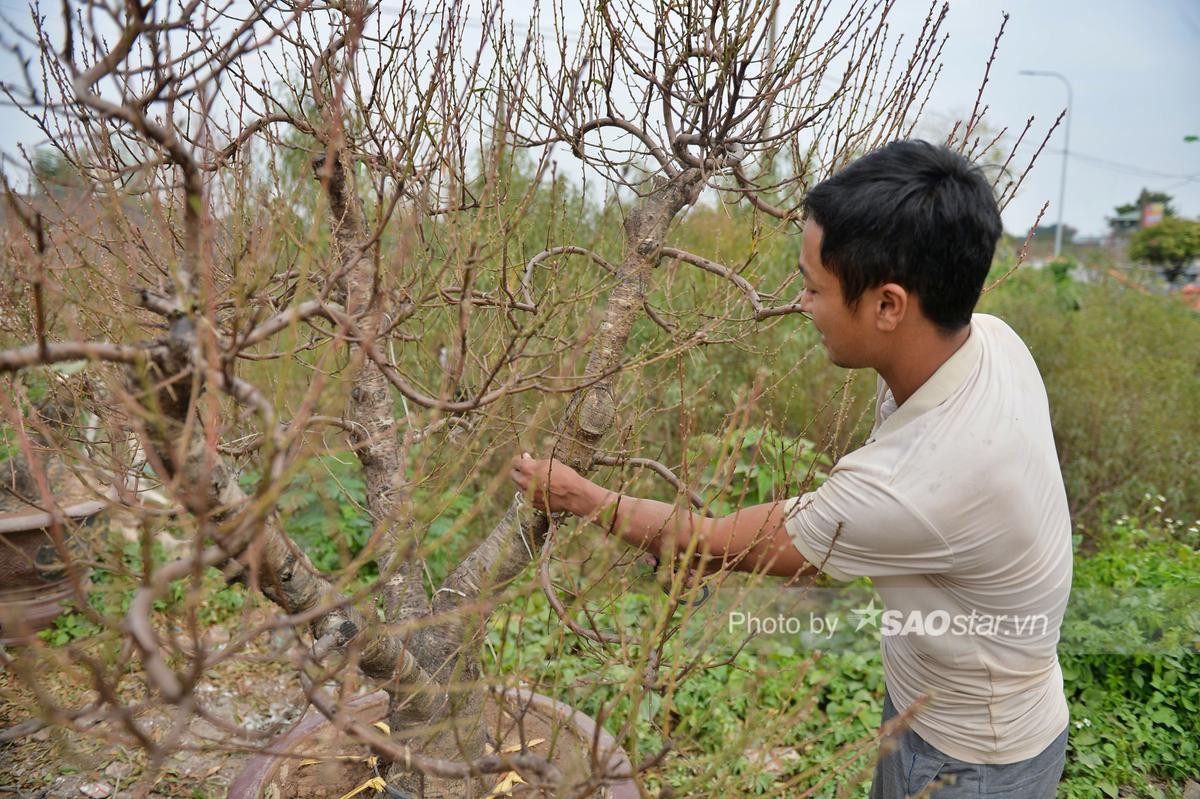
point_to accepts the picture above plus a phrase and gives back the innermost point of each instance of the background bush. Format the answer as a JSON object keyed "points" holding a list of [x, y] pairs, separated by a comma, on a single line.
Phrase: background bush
{"points": [[1122, 370]]}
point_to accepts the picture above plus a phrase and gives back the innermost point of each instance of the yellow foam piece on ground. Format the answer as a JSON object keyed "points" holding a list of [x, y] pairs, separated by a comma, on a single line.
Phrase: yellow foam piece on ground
{"points": [[375, 783], [505, 786], [516, 747], [512, 778]]}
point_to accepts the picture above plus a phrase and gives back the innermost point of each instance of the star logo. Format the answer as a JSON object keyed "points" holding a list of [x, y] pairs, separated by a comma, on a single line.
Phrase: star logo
{"points": [[868, 615]]}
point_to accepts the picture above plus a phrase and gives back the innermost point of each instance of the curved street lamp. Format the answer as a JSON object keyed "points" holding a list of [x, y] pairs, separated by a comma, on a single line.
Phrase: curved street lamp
{"points": [[1062, 185]]}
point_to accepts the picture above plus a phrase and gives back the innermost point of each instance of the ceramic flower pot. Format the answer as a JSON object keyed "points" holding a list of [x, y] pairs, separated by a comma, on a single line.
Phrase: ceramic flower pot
{"points": [[267, 775], [34, 584]]}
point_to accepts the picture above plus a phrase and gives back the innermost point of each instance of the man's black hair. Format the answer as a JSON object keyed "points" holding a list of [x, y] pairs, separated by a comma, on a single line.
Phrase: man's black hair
{"points": [[914, 214]]}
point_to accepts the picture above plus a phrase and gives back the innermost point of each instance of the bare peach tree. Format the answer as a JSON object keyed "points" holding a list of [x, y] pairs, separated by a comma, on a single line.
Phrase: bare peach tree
{"points": [[300, 218]]}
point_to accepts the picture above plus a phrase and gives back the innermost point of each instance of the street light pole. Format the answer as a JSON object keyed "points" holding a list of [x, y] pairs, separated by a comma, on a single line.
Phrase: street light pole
{"points": [[1062, 184]]}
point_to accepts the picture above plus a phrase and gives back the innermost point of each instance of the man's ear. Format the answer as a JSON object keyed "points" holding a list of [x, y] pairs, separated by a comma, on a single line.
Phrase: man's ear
{"points": [[892, 304]]}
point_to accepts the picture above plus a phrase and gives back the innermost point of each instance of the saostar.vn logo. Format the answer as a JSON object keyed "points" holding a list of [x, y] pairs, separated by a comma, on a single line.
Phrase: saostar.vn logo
{"points": [[942, 622]]}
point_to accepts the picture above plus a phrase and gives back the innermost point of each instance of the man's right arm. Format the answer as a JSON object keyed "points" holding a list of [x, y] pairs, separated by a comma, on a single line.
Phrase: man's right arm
{"points": [[753, 539]]}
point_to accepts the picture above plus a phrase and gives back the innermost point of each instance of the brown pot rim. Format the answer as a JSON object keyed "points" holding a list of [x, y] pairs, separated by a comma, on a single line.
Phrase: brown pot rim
{"points": [[249, 782], [23, 521], [50, 591]]}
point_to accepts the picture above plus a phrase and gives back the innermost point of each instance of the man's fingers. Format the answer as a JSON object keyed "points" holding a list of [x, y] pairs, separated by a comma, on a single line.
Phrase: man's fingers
{"points": [[531, 476], [518, 476]]}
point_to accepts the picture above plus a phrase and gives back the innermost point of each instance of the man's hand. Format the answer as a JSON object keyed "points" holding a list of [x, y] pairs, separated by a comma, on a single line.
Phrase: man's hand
{"points": [[552, 485]]}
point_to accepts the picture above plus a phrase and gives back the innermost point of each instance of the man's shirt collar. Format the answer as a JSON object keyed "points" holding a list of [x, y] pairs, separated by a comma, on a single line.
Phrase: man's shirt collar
{"points": [[934, 391]]}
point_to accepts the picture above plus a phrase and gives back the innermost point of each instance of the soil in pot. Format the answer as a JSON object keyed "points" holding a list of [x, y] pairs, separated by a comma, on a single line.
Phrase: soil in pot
{"points": [[344, 765]]}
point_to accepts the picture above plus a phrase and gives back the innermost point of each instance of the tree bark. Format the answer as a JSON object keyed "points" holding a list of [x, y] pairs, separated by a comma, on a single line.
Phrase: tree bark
{"points": [[264, 552], [371, 411], [511, 544]]}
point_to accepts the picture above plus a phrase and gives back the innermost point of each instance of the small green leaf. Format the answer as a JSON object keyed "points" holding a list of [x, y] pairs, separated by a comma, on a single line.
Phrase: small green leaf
{"points": [[1164, 715]]}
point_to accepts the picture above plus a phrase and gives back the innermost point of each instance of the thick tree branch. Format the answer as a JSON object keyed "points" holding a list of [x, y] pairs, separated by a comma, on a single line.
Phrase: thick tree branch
{"points": [[57, 352], [760, 311], [661, 469]]}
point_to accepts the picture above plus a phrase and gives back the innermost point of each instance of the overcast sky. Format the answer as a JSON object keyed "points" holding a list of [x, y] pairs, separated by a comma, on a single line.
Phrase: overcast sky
{"points": [[1134, 68], [1135, 71]]}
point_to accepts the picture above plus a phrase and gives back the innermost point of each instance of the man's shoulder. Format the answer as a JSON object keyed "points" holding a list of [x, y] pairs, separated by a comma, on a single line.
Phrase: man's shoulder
{"points": [[995, 408], [1005, 350], [993, 327], [997, 333]]}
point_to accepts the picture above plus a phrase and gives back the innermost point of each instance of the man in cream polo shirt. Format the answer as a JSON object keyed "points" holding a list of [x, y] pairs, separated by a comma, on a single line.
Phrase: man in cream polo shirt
{"points": [[954, 507]]}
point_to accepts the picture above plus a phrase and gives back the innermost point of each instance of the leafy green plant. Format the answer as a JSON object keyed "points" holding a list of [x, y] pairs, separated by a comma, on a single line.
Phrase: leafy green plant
{"points": [[1170, 244], [1061, 269], [765, 696], [112, 591], [324, 510], [757, 464], [1135, 716], [1134, 695], [68, 627]]}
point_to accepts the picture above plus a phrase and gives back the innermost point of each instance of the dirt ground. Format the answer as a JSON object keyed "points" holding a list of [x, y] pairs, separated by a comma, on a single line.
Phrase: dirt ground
{"points": [[256, 691]]}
